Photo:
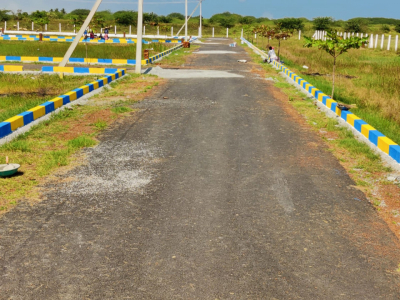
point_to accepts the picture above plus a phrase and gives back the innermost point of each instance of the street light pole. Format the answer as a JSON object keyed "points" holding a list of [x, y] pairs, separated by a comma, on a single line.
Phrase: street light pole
{"points": [[186, 21], [138, 67]]}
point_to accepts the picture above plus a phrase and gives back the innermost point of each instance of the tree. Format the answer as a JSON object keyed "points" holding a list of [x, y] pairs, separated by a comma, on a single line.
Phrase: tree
{"points": [[150, 18], [126, 17], [176, 15], [385, 28], [83, 12], [356, 25], [291, 23], [4, 15], [323, 23], [227, 22], [165, 19], [397, 28], [41, 22], [247, 20], [335, 46], [280, 34]]}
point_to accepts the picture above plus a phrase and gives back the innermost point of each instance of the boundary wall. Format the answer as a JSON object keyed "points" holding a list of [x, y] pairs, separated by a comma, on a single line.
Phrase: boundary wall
{"points": [[10, 125], [378, 139]]}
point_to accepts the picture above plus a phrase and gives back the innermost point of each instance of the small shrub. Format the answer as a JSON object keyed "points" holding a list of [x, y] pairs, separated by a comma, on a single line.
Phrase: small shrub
{"points": [[385, 28], [81, 142], [120, 109], [397, 28]]}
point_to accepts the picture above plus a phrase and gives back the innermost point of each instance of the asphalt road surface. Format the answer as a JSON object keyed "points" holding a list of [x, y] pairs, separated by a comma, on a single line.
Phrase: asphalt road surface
{"points": [[214, 189]]}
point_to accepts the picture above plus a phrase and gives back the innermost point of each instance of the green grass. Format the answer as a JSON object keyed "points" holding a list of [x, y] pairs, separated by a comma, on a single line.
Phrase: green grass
{"points": [[23, 92], [58, 49], [178, 57], [121, 109]]}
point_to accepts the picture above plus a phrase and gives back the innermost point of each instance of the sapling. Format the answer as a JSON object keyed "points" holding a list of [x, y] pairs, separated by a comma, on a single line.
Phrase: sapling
{"points": [[335, 46]]}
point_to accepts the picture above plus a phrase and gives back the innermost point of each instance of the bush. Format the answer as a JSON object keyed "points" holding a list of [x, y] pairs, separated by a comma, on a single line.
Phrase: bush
{"points": [[247, 20], [176, 15], [290, 24], [165, 19], [126, 18], [4, 16], [80, 12], [385, 28], [356, 25], [323, 23], [397, 28]]}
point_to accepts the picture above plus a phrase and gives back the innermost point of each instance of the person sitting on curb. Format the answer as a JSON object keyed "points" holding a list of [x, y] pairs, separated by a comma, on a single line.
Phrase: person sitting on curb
{"points": [[272, 55]]}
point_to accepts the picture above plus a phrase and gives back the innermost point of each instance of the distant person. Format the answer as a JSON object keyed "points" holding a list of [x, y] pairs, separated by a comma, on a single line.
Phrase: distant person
{"points": [[91, 35], [85, 33], [272, 55], [106, 33], [101, 36]]}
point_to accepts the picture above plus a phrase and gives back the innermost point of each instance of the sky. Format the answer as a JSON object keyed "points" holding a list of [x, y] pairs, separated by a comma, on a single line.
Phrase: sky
{"points": [[338, 9]]}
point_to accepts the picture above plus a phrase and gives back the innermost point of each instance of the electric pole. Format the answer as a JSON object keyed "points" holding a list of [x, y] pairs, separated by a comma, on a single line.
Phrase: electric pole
{"points": [[201, 21], [186, 20], [138, 68]]}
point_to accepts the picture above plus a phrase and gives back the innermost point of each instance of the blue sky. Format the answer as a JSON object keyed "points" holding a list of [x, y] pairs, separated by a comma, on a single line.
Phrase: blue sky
{"points": [[339, 9]]}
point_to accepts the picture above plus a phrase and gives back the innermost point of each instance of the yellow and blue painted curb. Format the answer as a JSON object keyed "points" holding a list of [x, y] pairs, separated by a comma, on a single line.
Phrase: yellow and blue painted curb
{"points": [[84, 60], [7, 68], [8, 126], [81, 70], [377, 138], [48, 38]]}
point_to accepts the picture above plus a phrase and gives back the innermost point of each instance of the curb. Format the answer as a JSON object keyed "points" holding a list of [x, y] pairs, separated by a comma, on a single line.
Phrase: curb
{"points": [[10, 125], [378, 139]]}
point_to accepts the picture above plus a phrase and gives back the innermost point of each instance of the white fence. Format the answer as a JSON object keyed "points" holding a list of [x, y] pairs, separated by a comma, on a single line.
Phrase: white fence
{"points": [[386, 42]]}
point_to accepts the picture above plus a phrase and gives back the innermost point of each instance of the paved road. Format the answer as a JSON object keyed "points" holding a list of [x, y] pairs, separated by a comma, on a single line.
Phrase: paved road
{"points": [[218, 192]]}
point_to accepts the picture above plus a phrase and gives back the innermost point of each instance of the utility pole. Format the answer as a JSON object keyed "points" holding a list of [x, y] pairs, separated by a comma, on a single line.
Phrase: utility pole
{"points": [[201, 29], [186, 20], [138, 67]]}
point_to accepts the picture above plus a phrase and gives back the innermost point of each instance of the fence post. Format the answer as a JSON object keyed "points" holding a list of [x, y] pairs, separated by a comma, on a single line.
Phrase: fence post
{"points": [[59, 27], [345, 34], [383, 38], [45, 27], [362, 35], [371, 41], [172, 31], [33, 27], [74, 28], [227, 32], [115, 29], [390, 39], [299, 34], [213, 32], [5, 25], [18, 25], [130, 29], [396, 43], [376, 41], [144, 30]]}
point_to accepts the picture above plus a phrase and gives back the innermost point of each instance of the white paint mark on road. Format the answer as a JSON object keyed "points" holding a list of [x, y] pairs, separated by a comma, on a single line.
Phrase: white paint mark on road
{"points": [[216, 52], [186, 74], [281, 188]]}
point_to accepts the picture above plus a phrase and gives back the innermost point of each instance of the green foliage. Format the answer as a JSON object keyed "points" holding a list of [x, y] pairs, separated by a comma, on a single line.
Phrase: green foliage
{"points": [[126, 17], [83, 12], [335, 46], [164, 19], [176, 15], [356, 25], [385, 28], [290, 23], [150, 18], [81, 142], [262, 20], [397, 27], [4, 15], [375, 21], [39, 14], [323, 23], [247, 20], [225, 19]]}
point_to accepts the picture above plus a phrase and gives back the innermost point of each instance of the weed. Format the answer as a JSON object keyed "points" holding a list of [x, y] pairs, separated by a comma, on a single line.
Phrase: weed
{"points": [[100, 125], [82, 142], [377, 202], [120, 109], [17, 145]]}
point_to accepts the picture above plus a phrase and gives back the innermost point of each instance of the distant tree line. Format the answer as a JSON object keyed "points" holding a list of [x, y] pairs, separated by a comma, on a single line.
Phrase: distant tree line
{"points": [[225, 19]]}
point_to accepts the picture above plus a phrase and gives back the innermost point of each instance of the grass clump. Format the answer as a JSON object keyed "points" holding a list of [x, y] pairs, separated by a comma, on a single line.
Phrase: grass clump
{"points": [[121, 109], [81, 142]]}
